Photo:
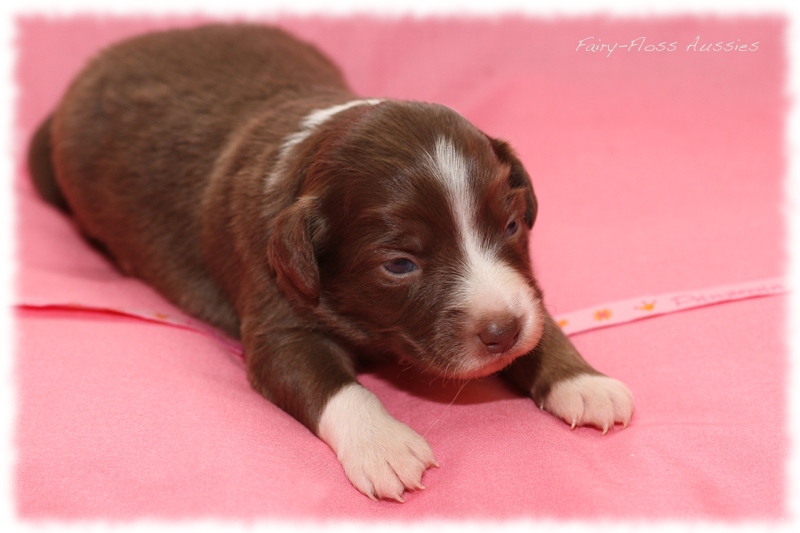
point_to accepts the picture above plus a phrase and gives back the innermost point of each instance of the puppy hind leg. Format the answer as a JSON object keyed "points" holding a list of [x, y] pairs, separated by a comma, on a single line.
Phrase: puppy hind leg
{"points": [[40, 166]]}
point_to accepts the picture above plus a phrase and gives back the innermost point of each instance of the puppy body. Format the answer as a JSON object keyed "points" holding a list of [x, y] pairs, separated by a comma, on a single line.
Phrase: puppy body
{"points": [[233, 169]]}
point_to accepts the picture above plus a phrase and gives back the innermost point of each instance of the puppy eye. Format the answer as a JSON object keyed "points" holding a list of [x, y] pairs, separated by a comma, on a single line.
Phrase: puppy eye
{"points": [[400, 266], [512, 228]]}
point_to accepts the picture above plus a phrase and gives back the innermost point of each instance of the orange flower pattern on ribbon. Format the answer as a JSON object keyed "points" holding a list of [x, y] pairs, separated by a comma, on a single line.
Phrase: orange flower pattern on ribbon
{"points": [[602, 314]]}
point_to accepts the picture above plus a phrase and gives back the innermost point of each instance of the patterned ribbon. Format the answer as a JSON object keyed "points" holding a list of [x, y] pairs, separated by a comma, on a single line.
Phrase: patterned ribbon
{"points": [[601, 316], [624, 311]]}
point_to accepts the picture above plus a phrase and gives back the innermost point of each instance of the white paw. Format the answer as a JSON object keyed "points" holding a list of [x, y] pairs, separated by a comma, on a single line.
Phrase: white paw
{"points": [[590, 400], [381, 457]]}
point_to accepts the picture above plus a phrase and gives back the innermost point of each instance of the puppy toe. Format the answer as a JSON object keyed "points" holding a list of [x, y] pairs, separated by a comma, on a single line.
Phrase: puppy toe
{"points": [[387, 484], [591, 400], [410, 469]]}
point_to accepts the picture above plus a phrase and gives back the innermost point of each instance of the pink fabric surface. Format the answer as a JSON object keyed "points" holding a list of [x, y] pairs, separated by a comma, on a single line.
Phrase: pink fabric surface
{"points": [[655, 172]]}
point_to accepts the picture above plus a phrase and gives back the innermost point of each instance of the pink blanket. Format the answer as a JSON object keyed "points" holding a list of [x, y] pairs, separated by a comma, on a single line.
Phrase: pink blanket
{"points": [[658, 169]]}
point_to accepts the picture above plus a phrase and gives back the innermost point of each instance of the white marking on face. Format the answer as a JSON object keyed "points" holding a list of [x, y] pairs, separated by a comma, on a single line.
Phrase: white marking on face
{"points": [[489, 286], [307, 126], [381, 456]]}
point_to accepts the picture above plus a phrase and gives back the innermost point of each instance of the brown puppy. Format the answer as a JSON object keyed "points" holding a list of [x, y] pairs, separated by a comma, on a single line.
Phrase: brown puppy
{"points": [[232, 168]]}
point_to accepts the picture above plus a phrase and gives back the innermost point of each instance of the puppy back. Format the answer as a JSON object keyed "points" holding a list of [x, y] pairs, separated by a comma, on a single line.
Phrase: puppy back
{"points": [[137, 139]]}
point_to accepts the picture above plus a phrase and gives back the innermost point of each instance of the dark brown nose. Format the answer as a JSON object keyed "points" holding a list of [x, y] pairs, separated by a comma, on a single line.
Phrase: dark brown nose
{"points": [[499, 333]]}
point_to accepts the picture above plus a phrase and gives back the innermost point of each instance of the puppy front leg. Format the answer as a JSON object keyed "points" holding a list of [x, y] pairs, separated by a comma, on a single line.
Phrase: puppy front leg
{"points": [[312, 379], [562, 382]]}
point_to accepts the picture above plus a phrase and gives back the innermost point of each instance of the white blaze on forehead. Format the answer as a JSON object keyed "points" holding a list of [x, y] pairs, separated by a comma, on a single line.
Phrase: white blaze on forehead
{"points": [[485, 271], [490, 285], [452, 169]]}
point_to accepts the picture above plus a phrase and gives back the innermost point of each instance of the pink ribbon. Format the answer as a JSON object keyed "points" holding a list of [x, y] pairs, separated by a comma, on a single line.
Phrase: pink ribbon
{"points": [[624, 311], [587, 319]]}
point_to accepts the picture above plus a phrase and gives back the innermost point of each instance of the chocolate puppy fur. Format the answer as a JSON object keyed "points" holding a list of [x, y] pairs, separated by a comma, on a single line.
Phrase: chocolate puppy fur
{"points": [[231, 167]]}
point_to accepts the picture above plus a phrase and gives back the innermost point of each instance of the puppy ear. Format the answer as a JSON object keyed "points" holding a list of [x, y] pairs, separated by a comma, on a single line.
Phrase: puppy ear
{"points": [[518, 178], [291, 249]]}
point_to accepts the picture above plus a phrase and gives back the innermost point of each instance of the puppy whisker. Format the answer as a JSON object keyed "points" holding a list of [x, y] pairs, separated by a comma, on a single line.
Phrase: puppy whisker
{"points": [[446, 408]]}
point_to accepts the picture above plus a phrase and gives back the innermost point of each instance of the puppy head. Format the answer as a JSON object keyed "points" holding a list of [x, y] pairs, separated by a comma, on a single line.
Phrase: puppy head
{"points": [[410, 236]]}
